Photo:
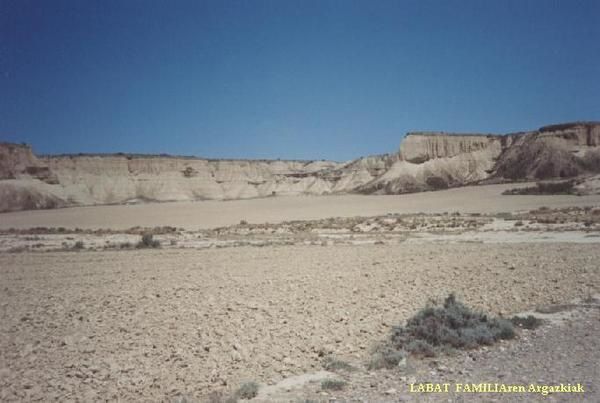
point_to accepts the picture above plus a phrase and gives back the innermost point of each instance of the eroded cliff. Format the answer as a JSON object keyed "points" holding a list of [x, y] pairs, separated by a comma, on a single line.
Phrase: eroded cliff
{"points": [[425, 161], [419, 147]]}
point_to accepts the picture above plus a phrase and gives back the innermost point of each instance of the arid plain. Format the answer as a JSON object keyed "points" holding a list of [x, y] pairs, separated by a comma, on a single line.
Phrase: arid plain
{"points": [[265, 290]]}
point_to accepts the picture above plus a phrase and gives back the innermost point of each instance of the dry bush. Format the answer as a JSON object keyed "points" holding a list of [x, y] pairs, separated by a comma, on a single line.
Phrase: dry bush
{"points": [[148, 241], [439, 328]]}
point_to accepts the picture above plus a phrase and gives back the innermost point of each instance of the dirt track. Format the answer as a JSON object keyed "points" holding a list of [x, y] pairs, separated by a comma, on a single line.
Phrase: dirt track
{"points": [[149, 325]]}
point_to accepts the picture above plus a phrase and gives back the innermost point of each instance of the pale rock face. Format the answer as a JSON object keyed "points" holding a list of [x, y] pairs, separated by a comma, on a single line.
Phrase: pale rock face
{"points": [[420, 147], [18, 161], [117, 179], [577, 138]]}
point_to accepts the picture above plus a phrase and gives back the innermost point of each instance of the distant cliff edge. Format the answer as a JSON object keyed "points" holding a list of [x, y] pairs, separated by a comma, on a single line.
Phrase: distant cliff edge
{"points": [[425, 161]]}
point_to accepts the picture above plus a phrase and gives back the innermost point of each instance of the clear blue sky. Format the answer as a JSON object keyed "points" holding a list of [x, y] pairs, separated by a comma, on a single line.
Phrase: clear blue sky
{"points": [[289, 79]]}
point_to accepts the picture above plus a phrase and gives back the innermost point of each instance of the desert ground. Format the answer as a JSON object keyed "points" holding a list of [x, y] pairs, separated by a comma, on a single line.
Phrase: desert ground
{"points": [[210, 214], [267, 290]]}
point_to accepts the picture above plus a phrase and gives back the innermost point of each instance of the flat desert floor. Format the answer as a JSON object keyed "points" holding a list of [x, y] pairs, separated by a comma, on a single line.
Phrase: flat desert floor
{"points": [[189, 322], [210, 214]]}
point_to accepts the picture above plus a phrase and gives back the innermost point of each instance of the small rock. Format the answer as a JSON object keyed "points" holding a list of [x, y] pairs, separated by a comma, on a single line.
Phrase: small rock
{"points": [[391, 391]]}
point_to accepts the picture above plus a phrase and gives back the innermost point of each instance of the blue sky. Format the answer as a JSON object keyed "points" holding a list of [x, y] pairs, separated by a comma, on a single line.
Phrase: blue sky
{"points": [[289, 79]]}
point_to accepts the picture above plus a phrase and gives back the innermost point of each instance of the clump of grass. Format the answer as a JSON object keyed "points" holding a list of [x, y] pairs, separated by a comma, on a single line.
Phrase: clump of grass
{"points": [[333, 364], [333, 384], [439, 328], [248, 390], [420, 348], [529, 322], [148, 241], [385, 356]]}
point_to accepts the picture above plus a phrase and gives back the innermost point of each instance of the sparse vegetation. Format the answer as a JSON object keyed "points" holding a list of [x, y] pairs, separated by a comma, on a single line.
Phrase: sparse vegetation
{"points": [[436, 329], [546, 188], [79, 245], [248, 390], [420, 348], [529, 322], [148, 241], [333, 364], [385, 356], [436, 183], [333, 384]]}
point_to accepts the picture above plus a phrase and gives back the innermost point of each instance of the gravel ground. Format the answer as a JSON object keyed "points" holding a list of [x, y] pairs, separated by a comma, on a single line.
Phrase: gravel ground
{"points": [[566, 352], [158, 324]]}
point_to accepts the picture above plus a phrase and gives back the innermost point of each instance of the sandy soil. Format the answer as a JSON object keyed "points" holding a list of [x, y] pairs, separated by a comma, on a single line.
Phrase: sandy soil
{"points": [[216, 306], [209, 214], [154, 325]]}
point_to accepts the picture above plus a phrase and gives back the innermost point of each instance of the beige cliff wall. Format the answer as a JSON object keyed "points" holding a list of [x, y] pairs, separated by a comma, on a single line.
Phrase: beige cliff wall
{"points": [[418, 147], [425, 161], [577, 138], [118, 179], [431, 161]]}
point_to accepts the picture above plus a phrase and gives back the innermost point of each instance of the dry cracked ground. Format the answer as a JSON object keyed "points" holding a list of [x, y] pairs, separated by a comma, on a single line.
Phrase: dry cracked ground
{"points": [[198, 317]]}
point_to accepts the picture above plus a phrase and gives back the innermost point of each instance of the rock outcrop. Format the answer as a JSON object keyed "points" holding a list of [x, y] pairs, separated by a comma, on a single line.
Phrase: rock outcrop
{"points": [[432, 161], [557, 151], [17, 161], [419, 147], [425, 161]]}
